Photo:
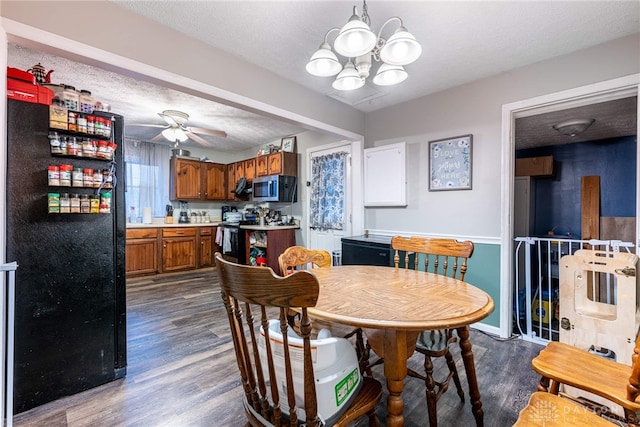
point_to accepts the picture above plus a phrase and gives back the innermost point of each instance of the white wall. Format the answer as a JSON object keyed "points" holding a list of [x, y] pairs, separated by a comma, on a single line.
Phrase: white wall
{"points": [[475, 109]]}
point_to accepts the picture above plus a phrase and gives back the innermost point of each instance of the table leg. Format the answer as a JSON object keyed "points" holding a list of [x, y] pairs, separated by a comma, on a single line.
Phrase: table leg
{"points": [[470, 369], [394, 347]]}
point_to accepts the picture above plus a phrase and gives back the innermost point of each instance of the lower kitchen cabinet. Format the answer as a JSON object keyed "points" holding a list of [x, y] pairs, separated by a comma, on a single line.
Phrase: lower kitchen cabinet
{"points": [[270, 244], [206, 246], [141, 251], [151, 250], [178, 249]]}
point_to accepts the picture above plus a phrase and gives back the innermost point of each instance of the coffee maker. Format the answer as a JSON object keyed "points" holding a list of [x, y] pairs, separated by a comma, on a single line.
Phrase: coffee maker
{"points": [[183, 218], [225, 209]]}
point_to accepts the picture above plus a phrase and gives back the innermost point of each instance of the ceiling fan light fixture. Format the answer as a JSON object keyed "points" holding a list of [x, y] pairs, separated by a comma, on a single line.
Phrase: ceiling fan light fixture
{"points": [[573, 127], [175, 135]]}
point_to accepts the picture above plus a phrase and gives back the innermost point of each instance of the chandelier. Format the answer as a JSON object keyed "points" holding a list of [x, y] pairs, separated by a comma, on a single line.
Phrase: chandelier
{"points": [[356, 42]]}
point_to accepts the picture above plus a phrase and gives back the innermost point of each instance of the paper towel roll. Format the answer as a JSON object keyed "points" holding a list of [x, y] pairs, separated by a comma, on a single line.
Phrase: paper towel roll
{"points": [[146, 215]]}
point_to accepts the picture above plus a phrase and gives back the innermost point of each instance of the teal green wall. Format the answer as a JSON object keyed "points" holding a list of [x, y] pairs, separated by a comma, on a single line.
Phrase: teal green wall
{"points": [[483, 271]]}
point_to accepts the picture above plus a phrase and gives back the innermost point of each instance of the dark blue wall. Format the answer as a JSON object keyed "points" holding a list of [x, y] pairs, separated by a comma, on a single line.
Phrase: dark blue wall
{"points": [[557, 199]]}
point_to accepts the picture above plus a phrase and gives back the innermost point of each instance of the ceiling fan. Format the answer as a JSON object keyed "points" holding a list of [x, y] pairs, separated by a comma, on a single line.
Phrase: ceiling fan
{"points": [[176, 131]]}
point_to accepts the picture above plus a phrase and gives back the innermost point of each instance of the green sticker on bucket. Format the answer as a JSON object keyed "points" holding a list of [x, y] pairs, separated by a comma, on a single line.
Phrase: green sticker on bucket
{"points": [[346, 386]]}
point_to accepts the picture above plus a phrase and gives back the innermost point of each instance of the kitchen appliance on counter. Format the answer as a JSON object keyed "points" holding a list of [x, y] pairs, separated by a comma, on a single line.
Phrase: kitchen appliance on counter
{"points": [[183, 217], [70, 299], [226, 209]]}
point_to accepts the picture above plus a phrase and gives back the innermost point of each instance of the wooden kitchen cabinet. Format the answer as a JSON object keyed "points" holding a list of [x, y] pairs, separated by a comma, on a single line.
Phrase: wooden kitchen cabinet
{"points": [[141, 251], [275, 242], [178, 248], [280, 163], [250, 169], [195, 180], [214, 181], [231, 181], [186, 179], [206, 246]]}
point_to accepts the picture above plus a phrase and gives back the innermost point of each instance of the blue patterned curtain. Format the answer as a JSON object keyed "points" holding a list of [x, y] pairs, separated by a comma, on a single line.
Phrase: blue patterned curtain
{"points": [[327, 191]]}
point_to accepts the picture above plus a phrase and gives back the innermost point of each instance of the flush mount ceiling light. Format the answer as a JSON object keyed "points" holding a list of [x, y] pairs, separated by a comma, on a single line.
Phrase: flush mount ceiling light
{"points": [[573, 127], [356, 42]]}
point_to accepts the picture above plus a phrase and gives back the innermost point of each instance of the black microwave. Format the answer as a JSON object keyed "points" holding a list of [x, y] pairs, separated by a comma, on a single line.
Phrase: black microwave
{"points": [[274, 188]]}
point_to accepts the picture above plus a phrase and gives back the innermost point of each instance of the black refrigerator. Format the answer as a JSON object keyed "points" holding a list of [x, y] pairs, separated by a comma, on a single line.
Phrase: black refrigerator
{"points": [[70, 312]]}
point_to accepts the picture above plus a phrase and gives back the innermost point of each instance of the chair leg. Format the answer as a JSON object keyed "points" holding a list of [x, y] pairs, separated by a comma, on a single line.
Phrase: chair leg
{"points": [[430, 392], [544, 384], [456, 378], [373, 419]]}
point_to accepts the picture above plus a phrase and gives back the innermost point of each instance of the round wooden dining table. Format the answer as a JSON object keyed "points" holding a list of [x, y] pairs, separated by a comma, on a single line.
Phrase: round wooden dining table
{"points": [[393, 306]]}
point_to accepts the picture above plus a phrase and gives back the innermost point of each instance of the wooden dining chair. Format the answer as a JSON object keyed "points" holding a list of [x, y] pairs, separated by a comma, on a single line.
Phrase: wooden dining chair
{"points": [[298, 257], [255, 298], [550, 410], [616, 383], [447, 257]]}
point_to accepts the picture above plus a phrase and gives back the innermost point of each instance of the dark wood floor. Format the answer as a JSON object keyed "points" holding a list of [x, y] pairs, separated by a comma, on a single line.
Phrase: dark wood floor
{"points": [[181, 369]]}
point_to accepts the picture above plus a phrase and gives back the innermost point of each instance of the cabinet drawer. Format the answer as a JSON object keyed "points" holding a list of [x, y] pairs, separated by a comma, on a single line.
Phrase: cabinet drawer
{"points": [[206, 231], [142, 233], [178, 232]]}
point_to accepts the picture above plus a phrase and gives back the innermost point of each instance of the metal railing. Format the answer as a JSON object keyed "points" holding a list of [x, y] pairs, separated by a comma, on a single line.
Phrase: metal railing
{"points": [[536, 289]]}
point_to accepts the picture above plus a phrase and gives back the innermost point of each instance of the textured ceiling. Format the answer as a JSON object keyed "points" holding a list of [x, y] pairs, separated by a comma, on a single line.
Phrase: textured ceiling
{"points": [[462, 42]]}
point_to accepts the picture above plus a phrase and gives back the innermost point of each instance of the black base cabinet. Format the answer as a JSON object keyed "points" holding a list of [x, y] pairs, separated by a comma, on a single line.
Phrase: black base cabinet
{"points": [[371, 250]]}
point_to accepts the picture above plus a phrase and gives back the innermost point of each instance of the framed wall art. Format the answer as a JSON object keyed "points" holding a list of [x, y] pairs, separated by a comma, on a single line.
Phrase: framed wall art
{"points": [[450, 163], [288, 144]]}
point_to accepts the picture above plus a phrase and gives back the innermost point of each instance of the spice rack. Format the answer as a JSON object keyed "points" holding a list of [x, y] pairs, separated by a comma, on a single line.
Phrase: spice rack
{"points": [[69, 140]]}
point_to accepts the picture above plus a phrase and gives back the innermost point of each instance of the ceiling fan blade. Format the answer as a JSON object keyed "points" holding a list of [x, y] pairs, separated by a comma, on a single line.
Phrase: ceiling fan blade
{"points": [[198, 139], [146, 125], [170, 120], [158, 138], [212, 132]]}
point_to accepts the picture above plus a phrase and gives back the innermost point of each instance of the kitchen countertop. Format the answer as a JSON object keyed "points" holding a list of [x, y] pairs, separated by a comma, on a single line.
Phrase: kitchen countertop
{"points": [[211, 224]]}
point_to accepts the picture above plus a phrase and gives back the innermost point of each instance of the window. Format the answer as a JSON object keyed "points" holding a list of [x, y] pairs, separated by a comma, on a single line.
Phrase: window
{"points": [[147, 177]]}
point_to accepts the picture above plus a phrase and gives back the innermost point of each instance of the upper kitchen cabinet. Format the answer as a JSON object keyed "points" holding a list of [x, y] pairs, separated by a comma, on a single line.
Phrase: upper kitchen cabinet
{"points": [[281, 163], [186, 179], [195, 180], [250, 169], [214, 181]]}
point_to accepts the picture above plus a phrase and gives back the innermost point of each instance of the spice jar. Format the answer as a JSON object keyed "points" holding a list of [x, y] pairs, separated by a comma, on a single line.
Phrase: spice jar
{"points": [[65, 175], [77, 178], [94, 204], [54, 202], [87, 177], [107, 179], [75, 203], [72, 121], [91, 125], [86, 101], [97, 178], [82, 123], [65, 203], [105, 203], [54, 141], [72, 146], [85, 205], [53, 175], [70, 98]]}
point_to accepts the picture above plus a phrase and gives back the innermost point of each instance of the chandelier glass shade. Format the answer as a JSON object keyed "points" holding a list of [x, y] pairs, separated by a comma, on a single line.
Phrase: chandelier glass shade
{"points": [[356, 42]]}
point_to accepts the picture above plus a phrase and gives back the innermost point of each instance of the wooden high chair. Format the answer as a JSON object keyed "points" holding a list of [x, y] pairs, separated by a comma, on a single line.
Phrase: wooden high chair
{"points": [[273, 395]]}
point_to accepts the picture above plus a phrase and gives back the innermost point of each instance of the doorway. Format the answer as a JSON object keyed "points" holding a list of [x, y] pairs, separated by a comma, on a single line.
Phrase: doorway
{"points": [[624, 87]]}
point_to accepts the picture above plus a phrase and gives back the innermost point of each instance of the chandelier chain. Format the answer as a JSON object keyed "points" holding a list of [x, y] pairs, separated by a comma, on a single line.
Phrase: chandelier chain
{"points": [[365, 15]]}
